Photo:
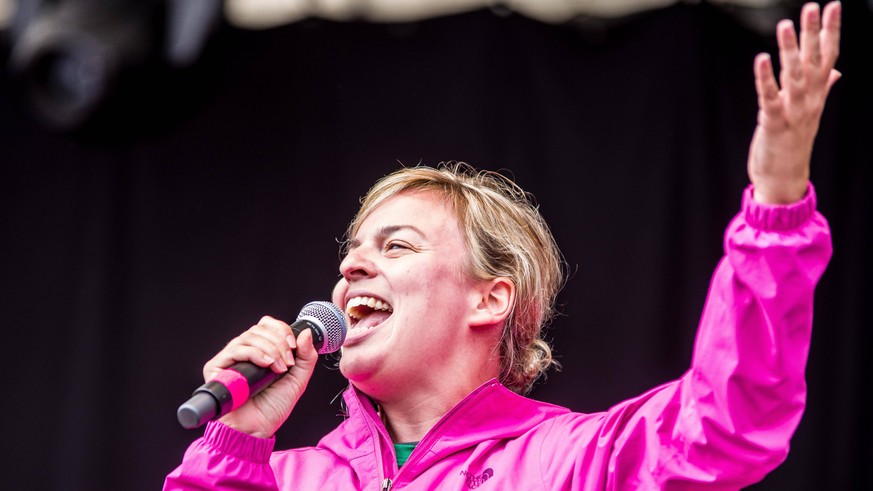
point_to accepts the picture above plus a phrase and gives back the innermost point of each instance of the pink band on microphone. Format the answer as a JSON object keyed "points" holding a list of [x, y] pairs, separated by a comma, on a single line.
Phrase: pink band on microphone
{"points": [[236, 384]]}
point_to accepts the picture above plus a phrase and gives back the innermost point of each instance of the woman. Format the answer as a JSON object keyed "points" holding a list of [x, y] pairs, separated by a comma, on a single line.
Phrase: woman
{"points": [[450, 274]]}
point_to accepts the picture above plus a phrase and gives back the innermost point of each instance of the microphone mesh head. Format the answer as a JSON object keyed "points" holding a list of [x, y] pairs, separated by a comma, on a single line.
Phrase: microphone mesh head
{"points": [[330, 319]]}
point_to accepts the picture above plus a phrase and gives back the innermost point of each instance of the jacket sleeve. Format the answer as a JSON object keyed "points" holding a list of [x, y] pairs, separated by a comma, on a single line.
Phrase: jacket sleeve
{"points": [[728, 421], [225, 459]]}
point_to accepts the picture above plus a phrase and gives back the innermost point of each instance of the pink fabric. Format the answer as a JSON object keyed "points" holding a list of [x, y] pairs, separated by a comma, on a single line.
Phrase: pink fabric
{"points": [[723, 425]]}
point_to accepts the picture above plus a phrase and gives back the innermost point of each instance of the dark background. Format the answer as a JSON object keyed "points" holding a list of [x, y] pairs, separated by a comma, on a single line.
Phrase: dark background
{"points": [[207, 197]]}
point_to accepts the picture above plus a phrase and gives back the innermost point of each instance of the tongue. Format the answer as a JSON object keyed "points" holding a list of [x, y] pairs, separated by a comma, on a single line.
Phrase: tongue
{"points": [[372, 319]]}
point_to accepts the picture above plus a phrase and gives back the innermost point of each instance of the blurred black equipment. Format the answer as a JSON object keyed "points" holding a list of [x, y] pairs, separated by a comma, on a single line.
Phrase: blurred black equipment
{"points": [[67, 56]]}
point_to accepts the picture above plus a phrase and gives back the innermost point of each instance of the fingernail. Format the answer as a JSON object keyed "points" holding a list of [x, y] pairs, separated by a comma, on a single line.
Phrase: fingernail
{"points": [[292, 341], [289, 355]]}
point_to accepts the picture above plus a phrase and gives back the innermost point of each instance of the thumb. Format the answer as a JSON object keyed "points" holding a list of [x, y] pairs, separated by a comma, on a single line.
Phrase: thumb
{"points": [[833, 76], [305, 358]]}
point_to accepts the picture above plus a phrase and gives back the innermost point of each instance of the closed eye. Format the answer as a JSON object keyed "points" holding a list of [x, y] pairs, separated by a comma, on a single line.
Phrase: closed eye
{"points": [[394, 246]]}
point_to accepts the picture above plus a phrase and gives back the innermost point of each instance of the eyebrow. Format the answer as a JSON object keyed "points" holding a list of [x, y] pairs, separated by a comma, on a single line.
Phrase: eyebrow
{"points": [[385, 232]]}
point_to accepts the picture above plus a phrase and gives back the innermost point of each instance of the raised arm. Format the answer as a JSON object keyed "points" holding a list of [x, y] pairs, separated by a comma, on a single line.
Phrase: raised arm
{"points": [[729, 420]]}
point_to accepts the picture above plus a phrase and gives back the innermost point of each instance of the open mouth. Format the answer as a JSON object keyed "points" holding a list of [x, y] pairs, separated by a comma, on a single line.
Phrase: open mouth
{"points": [[366, 312]]}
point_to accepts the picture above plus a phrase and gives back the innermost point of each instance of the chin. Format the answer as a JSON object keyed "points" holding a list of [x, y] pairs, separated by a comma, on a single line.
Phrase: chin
{"points": [[351, 367], [361, 371]]}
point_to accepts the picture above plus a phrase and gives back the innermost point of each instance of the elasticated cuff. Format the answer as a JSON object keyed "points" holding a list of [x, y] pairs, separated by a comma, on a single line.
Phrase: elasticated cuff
{"points": [[242, 445], [778, 217]]}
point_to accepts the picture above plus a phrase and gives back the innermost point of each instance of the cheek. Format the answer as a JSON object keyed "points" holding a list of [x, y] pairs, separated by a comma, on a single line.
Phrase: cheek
{"points": [[339, 291]]}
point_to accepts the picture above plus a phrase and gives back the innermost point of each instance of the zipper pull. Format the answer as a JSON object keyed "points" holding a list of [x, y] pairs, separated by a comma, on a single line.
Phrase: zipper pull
{"points": [[386, 484]]}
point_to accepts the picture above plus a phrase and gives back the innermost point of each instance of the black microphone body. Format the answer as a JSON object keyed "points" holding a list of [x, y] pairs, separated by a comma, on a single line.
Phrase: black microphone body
{"points": [[233, 386]]}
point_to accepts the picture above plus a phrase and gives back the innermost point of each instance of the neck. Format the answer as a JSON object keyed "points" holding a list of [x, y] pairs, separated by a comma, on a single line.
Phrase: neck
{"points": [[412, 402], [406, 424], [408, 419], [413, 409]]}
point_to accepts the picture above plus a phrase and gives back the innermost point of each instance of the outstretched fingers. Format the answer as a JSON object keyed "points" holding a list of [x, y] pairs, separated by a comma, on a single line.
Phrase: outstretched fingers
{"points": [[807, 61], [820, 43], [766, 86], [792, 76], [810, 35], [830, 35]]}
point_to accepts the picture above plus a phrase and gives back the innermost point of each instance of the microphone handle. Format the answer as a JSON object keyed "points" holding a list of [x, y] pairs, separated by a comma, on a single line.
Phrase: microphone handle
{"points": [[234, 385]]}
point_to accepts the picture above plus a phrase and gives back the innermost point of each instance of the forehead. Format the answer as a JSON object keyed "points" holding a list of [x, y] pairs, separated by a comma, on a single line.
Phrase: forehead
{"points": [[425, 210]]}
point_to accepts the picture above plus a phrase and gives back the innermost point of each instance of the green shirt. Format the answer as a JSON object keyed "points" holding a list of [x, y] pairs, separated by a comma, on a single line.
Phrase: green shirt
{"points": [[403, 450]]}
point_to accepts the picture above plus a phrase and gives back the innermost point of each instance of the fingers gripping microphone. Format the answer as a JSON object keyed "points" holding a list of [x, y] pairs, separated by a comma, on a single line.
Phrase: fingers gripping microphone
{"points": [[232, 387]]}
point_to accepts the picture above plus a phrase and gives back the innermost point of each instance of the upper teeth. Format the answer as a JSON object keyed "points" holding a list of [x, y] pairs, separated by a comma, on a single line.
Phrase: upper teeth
{"points": [[371, 302]]}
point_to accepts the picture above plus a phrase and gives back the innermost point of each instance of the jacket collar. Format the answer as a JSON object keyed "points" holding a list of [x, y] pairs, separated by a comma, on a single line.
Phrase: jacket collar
{"points": [[490, 412]]}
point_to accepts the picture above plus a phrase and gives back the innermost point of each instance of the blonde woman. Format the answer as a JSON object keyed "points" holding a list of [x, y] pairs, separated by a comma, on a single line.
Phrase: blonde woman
{"points": [[450, 274]]}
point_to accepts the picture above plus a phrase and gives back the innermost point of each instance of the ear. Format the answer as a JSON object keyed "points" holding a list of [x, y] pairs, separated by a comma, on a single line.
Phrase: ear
{"points": [[493, 302]]}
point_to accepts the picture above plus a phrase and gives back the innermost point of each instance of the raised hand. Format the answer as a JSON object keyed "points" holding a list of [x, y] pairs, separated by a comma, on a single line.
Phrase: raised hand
{"points": [[789, 112]]}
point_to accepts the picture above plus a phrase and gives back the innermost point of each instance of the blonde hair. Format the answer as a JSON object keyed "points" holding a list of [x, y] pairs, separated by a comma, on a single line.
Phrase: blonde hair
{"points": [[507, 238]]}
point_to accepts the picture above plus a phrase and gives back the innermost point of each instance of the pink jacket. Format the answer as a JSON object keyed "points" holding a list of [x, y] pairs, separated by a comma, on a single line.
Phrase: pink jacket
{"points": [[723, 425]]}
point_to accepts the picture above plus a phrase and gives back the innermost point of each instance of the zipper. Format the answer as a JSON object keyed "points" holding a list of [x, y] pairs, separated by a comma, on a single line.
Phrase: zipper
{"points": [[380, 461], [386, 482], [381, 436]]}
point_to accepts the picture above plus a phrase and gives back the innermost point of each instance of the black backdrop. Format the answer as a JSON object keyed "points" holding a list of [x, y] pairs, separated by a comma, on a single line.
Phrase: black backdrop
{"points": [[209, 197]]}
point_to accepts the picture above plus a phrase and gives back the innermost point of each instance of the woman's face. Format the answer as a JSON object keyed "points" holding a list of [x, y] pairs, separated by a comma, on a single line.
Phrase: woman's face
{"points": [[405, 292]]}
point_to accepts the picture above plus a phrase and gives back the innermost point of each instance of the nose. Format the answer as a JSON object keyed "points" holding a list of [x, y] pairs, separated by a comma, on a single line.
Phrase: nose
{"points": [[357, 265]]}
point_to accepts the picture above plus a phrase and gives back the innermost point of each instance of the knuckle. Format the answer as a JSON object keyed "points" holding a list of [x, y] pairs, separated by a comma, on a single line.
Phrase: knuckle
{"points": [[272, 324], [243, 338]]}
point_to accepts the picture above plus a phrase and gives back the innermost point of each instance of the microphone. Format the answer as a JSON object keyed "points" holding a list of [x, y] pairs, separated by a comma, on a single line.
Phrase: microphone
{"points": [[233, 386]]}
